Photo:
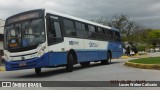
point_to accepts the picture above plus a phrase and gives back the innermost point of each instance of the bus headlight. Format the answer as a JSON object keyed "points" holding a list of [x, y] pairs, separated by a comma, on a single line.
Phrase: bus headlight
{"points": [[5, 57], [41, 51]]}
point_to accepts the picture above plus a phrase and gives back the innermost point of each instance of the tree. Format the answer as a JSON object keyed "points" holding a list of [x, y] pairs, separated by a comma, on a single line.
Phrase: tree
{"points": [[131, 31], [154, 37]]}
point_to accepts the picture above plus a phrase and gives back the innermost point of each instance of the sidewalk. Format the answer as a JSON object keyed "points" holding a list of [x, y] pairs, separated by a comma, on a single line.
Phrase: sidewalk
{"points": [[135, 56], [156, 54], [2, 68]]}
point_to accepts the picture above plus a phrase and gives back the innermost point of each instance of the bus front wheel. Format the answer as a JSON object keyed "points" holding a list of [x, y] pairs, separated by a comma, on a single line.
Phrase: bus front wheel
{"points": [[70, 62], [38, 71]]}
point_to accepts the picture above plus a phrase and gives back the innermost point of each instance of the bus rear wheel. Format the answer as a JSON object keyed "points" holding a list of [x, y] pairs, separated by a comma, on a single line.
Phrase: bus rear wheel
{"points": [[104, 62], [70, 62], [108, 60], [85, 64], [38, 71]]}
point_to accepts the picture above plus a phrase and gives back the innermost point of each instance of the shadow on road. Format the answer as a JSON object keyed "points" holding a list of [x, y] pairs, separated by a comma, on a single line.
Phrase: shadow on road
{"points": [[61, 71]]}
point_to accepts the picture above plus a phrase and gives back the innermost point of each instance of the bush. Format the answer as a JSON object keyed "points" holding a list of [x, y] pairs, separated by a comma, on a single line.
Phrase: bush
{"points": [[141, 48]]}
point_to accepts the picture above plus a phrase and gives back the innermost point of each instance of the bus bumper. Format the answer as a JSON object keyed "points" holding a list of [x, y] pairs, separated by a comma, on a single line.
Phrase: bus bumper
{"points": [[27, 64]]}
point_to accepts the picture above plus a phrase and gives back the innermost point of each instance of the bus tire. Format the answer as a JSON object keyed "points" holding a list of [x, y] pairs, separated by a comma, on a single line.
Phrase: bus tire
{"points": [[109, 57], [108, 60], [104, 62], [38, 71], [70, 62], [85, 64]]}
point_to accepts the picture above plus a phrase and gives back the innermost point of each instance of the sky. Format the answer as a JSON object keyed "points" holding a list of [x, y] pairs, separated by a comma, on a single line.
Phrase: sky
{"points": [[145, 12]]}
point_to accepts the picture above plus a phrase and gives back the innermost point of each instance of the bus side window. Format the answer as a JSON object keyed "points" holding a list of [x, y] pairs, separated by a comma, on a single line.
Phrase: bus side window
{"points": [[54, 32], [92, 31], [100, 33], [81, 30], [69, 28], [112, 35], [117, 35], [107, 32], [57, 30]]}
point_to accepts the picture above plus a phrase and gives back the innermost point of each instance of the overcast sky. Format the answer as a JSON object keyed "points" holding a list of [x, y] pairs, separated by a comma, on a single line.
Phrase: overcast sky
{"points": [[146, 12]]}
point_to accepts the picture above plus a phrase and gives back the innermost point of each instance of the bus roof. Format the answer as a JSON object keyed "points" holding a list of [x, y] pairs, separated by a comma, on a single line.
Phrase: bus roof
{"points": [[67, 16], [79, 19]]}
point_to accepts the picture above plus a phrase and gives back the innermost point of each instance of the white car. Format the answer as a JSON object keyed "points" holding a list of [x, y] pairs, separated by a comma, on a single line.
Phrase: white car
{"points": [[157, 49]]}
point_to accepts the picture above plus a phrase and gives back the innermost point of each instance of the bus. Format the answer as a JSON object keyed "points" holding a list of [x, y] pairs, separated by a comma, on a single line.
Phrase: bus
{"points": [[41, 38]]}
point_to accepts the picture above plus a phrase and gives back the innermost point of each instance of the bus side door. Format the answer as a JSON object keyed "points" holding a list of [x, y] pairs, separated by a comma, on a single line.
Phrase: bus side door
{"points": [[57, 54]]}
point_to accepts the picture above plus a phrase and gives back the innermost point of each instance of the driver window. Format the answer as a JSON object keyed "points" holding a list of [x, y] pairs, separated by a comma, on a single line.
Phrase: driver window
{"points": [[57, 30], [54, 32]]}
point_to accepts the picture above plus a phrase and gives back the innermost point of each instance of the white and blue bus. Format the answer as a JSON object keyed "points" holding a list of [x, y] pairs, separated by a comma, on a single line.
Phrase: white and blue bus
{"points": [[40, 38]]}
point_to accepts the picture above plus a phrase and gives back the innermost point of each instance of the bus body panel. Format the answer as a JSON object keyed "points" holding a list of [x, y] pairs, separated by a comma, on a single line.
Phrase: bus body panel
{"points": [[27, 64], [89, 56], [57, 47], [57, 58], [87, 50], [74, 43], [93, 51], [116, 49]]}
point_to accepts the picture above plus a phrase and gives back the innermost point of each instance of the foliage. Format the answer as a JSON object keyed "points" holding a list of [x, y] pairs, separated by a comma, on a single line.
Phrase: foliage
{"points": [[141, 48], [132, 32], [128, 28], [153, 37]]}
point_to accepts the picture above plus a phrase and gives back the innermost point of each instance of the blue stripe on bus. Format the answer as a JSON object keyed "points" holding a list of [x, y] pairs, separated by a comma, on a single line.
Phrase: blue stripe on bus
{"points": [[31, 63], [84, 56], [58, 58]]}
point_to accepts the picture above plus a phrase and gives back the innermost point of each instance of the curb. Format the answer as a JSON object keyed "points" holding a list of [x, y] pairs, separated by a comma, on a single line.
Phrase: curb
{"points": [[135, 56], [2, 69], [143, 66], [124, 57], [140, 56]]}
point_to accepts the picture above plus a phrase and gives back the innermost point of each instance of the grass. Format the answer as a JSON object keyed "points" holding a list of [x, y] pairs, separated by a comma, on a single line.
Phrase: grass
{"points": [[152, 60]]}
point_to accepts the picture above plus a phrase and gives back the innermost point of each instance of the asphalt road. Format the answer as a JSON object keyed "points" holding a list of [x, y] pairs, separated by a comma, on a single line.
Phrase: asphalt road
{"points": [[95, 72]]}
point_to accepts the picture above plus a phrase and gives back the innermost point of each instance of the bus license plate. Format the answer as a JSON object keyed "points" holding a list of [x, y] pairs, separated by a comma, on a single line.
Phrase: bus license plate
{"points": [[22, 64]]}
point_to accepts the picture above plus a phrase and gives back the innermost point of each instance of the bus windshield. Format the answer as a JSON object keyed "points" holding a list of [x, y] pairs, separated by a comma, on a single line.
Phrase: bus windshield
{"points": [[25, 34]]}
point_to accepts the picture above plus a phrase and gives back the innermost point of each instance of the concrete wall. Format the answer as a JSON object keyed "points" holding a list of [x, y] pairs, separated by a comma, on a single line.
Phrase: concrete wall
{"points": [[1, 45], [1, 26], [1, 32], [1, 42]]}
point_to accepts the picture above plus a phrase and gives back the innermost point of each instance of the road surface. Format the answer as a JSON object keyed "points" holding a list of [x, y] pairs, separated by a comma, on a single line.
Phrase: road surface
{"points": [[95, 72]]}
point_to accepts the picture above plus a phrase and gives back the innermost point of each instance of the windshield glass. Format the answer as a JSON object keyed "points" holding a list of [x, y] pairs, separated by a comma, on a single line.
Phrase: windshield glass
{"points": [[25, 34]]}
